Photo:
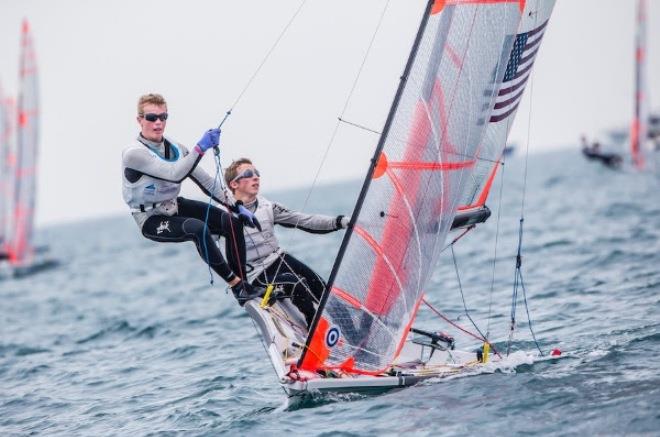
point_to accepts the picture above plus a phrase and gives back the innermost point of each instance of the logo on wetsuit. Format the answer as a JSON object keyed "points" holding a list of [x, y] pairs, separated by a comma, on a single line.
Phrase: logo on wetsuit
{"points": [[164, 226]]}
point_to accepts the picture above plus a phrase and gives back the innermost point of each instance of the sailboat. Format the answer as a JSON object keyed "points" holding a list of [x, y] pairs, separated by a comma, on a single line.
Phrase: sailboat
{"points": [[21, 253], [640, 146], [644, 132], [431, 172]]}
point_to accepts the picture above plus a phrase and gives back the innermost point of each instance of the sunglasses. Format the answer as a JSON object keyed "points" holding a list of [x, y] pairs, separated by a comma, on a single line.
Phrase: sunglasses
{"points": [[151, 117], [247, 173]]}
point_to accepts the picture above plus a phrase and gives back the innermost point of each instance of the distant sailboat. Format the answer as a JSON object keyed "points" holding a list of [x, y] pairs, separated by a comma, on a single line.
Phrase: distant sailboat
{"points": [[433, 167], [639, 128], [20, 246], [21, 252], [644, 128]]}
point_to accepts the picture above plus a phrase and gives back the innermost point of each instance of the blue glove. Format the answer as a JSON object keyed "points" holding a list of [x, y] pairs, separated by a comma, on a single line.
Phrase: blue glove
{"points": [[247, 218], [210, 139]]}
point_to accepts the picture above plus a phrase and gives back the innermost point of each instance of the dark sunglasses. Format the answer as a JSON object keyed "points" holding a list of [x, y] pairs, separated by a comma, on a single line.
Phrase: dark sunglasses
{"points": [[248, 173], [151, 117]]}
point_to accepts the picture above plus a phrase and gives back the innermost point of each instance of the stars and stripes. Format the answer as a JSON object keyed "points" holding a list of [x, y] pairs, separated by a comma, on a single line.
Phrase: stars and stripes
{"points": [[517, 72]]}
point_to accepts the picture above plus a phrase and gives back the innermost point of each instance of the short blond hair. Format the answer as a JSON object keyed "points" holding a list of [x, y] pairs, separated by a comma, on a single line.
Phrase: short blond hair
{"points": [[232, 171], [151, 98]]}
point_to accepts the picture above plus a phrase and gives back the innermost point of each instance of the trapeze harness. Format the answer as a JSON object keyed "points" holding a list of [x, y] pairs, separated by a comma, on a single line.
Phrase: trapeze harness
{"points": [[266, 260], [151, 175]]}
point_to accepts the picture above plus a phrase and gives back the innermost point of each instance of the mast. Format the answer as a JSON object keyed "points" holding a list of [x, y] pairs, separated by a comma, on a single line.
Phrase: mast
{"points": [[370, 172]]}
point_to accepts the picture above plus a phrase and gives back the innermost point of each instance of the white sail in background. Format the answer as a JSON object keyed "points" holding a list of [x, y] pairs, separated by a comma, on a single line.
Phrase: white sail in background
{"points": [[20, 246], [422, 166]]}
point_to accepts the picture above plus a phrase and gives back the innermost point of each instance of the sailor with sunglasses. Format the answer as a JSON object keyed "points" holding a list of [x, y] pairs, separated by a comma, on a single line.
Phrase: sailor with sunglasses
{"points": [[153, 169], [267, 262]]}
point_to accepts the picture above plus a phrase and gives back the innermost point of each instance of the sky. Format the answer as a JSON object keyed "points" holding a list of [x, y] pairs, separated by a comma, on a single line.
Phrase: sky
{"points": [[96, 58]]}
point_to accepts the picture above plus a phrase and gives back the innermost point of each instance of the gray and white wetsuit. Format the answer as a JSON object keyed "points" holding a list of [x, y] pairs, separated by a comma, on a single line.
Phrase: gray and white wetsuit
{"points": [[268, 263], [262, 248], [151, 175]]}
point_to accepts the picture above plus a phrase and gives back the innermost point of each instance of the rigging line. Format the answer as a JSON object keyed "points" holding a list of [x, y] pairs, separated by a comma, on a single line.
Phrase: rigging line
{"points": [[343, 111], [529, 319], [270, 51], [460, 288], [514, 293], [359, 126], [497, 237], [518, 274], [459, 327], [469, 228], [206, 219], [219, 171]]}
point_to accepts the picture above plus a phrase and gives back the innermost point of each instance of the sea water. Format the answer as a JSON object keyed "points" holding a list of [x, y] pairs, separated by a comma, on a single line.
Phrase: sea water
{"points": [[127, 336]]}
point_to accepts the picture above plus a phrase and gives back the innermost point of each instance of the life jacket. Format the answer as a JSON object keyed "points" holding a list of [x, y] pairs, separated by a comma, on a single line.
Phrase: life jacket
{"points": [[262, 248], [143, 192]]}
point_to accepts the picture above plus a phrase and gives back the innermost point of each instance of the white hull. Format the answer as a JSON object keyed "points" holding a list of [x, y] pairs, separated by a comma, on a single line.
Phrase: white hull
{"points": [[282, 330]]}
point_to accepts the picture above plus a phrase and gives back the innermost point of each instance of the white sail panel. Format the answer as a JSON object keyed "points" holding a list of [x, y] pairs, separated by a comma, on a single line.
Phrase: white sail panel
{"points": [[425, 157], [27, 128], [515, 71]]}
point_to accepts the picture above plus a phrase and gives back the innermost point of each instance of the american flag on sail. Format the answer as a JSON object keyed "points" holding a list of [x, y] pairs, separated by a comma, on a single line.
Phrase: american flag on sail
{"points": [[517, 72]]}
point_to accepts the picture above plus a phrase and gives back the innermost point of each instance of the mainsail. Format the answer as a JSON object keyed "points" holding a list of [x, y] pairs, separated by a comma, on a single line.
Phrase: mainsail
{"points": [[27, 128], [639, 127], [423, 163]]}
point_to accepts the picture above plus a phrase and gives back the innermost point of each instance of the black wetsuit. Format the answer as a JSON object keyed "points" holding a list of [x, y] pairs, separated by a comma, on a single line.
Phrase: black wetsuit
{"points": [[303, 284], [188, 225]]}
